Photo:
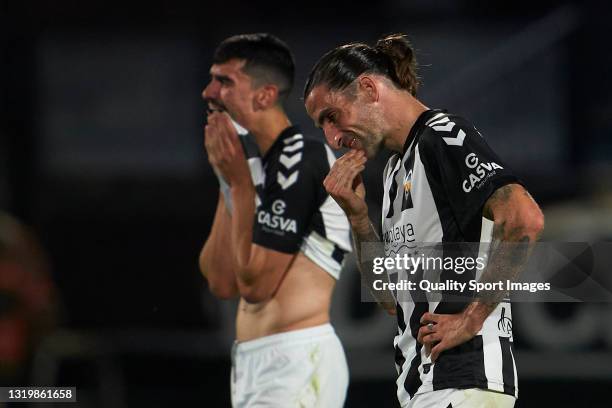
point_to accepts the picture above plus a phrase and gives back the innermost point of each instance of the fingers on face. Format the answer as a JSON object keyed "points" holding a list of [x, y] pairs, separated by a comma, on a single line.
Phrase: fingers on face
{"points": [[221, 139], [343, 172], [210, 144], [228, 147], [225, 120]]}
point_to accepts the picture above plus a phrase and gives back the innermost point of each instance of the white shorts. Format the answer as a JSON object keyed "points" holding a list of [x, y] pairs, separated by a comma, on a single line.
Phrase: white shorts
{"points": [[301, 368], [454, 398]]}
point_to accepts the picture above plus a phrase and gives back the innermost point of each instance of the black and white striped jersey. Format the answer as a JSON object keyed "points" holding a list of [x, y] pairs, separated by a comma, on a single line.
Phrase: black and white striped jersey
{"points": [[434, 193], [293, 210]]}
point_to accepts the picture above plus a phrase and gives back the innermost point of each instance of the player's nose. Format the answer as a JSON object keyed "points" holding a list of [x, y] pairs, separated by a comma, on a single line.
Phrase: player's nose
{"points": [[210, 91], [333, 136]]}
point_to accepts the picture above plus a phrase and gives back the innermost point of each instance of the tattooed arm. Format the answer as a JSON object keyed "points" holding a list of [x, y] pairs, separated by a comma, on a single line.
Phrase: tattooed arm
{"points": [[518, 219]]}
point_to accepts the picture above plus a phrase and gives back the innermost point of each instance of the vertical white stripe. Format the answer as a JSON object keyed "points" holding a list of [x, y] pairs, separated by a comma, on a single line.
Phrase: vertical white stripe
{"points": [[515, 374], [337, 228], [493, 361], [426, 379], [486, 234], [406, 346]]}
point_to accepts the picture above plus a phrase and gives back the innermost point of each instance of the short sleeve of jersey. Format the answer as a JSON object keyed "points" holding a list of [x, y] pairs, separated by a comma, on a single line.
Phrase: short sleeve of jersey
{"points": [[291, 194], [465, 166]]}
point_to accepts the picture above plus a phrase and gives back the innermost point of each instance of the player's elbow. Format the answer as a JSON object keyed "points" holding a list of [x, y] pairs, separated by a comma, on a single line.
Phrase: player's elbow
{"points": [[222, 290], [220, 286]]}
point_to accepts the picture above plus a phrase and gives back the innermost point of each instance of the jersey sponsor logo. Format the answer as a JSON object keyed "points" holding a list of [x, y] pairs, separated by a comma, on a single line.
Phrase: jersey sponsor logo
{"points": [[277, 223], [278, 207], [399, 234], [481, 172]]}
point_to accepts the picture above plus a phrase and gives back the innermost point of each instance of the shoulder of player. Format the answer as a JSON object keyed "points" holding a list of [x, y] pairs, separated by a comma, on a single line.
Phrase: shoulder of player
{"points": [[302, 151], [446, 129], [297, 159]]}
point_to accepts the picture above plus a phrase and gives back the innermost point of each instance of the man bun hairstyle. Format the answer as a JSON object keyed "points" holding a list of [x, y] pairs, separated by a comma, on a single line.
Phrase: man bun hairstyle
{"points": [[392, 57], [400, 52], [267, 59]]}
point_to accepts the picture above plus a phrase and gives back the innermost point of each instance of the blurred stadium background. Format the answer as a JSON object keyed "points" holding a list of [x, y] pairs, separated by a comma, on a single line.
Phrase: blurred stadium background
{"points": [[101, 158]]}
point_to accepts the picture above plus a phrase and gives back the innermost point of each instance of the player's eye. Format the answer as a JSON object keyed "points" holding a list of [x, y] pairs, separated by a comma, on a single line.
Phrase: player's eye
{"points": [[331, 117], [223, 81]]}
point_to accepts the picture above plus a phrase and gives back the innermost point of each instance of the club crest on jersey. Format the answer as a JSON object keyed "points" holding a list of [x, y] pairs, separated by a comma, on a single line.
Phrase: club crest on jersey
{"points": [[481, 172], [407, 197], [408, 182]]}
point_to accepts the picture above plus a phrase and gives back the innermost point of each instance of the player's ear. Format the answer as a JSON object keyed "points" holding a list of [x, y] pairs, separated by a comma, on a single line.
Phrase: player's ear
{"points": [[265, 97], [368, 88]]}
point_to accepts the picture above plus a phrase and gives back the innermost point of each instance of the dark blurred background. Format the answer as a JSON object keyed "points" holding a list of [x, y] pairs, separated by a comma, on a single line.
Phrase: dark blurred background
{"points": [[103, 172]]}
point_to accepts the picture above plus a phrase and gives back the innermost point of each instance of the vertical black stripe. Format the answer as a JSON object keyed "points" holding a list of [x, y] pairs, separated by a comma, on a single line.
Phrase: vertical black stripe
{"points": [[461, 367], [401, 323], [507, 366], [393, 192], [338, 254], [399, 354], [250, 147], [399, 359], [407, 195], [479, 364], [413, 379]]}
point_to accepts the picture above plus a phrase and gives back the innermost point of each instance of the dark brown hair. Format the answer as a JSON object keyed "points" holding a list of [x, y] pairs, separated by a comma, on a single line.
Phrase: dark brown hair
{"points": [[267, 58], [392, 56]]}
